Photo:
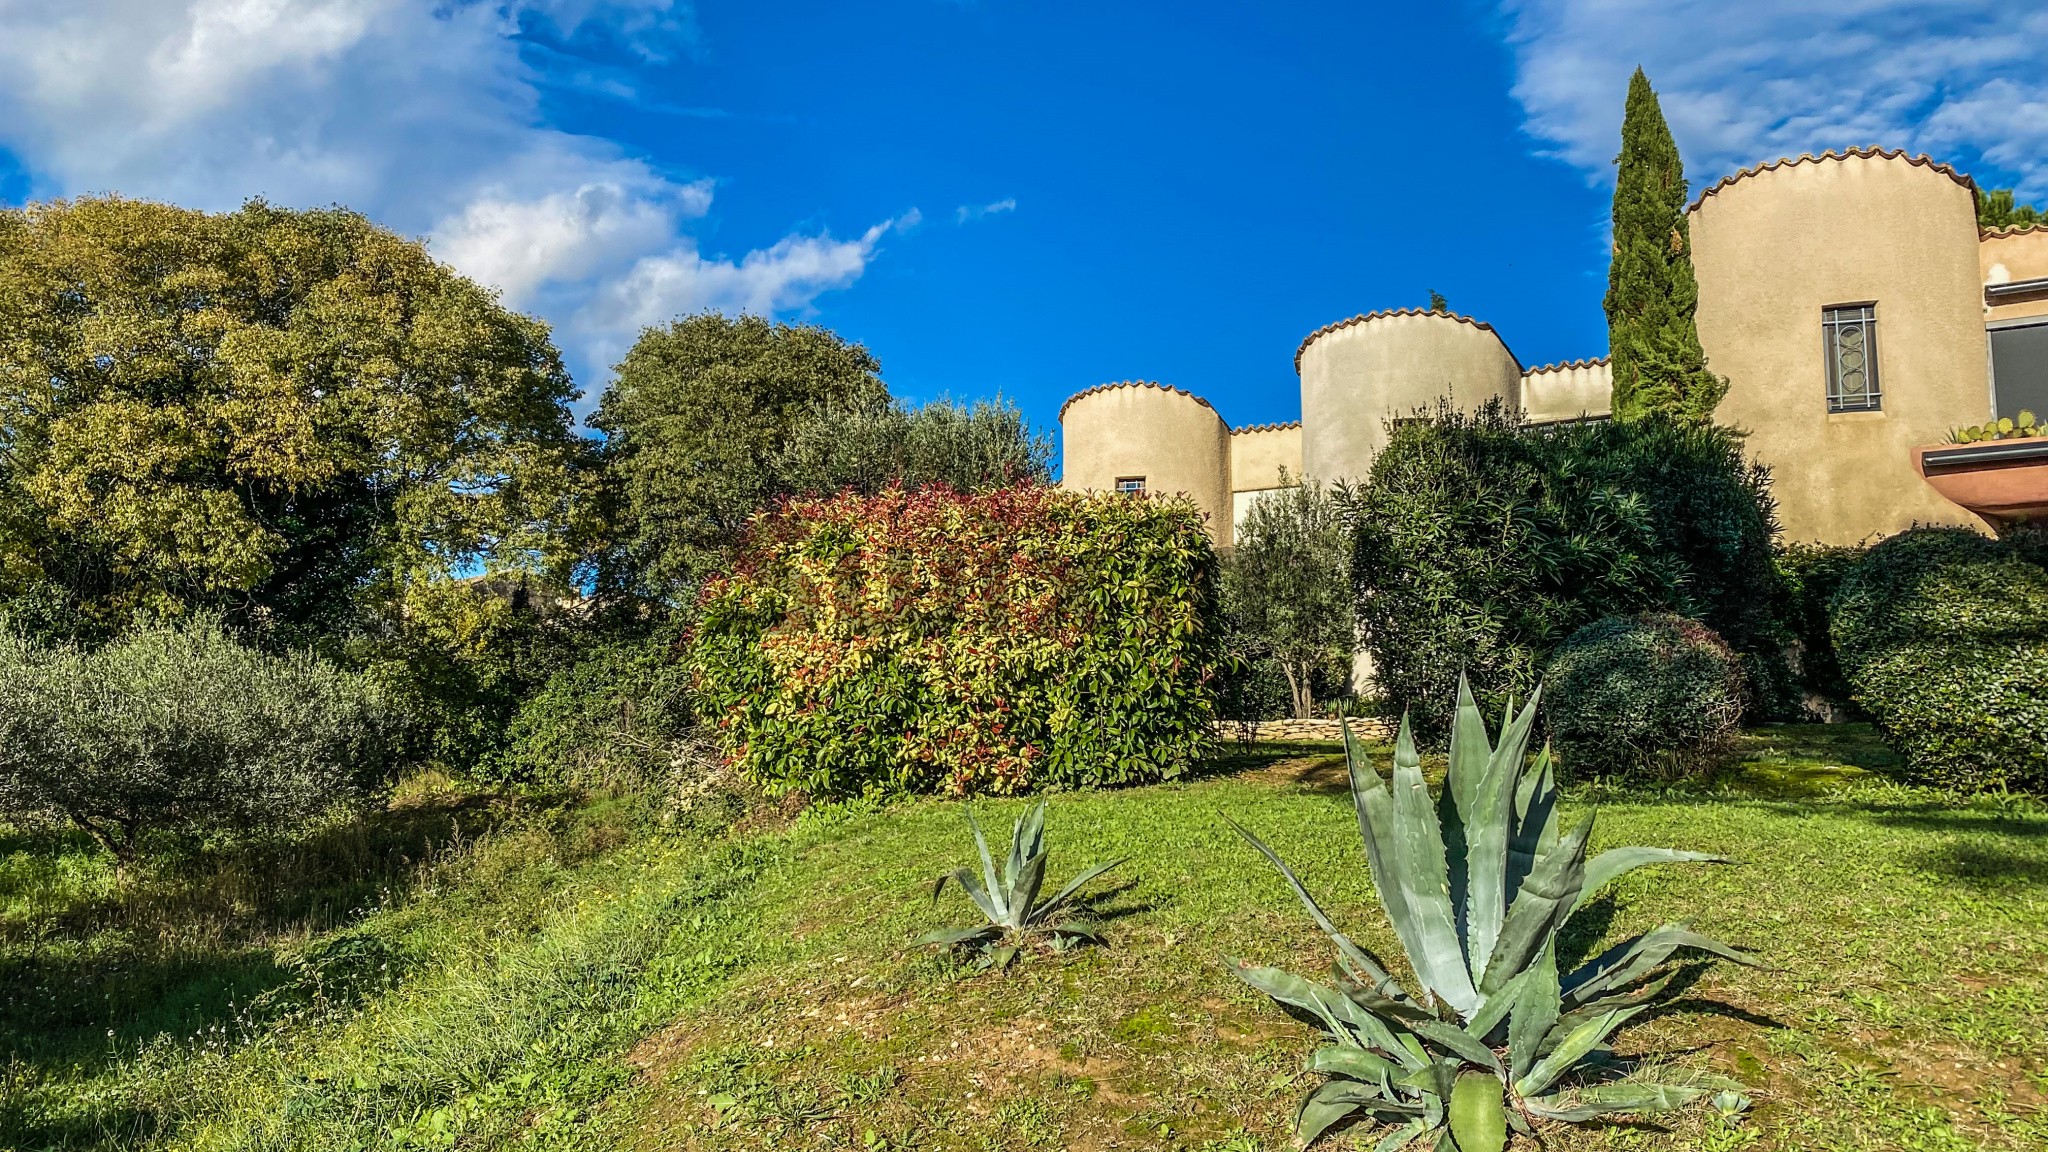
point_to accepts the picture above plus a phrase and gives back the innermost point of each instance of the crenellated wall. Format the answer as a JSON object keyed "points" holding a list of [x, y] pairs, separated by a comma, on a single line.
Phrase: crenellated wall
{"points": [[1776, 244], [1356, 374]]}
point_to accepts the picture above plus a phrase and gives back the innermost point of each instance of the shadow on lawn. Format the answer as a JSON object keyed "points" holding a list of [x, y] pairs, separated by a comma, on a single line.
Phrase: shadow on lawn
{"points": [[194, 948]]}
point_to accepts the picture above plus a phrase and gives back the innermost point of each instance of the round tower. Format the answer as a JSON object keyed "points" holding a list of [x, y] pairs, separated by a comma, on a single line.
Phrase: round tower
{"points": [[1359, 373], [1156, 438], [1842, 298]]}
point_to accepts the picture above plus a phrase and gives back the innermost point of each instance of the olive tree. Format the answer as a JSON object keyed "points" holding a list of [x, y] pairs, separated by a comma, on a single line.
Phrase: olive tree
{"points": [[1287, 586]]}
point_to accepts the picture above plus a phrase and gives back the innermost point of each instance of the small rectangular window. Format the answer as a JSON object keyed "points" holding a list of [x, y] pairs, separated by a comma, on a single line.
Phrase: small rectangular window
{"points": [[2019, 370], [1850, 331], [1130, 485]]}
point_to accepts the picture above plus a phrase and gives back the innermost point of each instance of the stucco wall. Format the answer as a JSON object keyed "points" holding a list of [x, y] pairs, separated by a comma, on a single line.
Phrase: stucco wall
{"points": [[1773, 247], [1262, 454], [1174, 440], [1358, 373], [1568, 391], [2007, 257]]}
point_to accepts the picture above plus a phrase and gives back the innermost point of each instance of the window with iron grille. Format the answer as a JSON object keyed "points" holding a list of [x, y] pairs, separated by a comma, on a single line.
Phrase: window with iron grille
{"points": [[1850, 331], [1130, 485]]}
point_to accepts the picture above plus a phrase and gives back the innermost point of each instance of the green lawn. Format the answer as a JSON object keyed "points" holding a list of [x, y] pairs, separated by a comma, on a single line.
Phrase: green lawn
{"points": [[592, 978]]}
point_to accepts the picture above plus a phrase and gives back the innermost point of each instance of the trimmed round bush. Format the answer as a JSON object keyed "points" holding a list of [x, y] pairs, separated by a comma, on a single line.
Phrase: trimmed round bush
{"points": [[1650, 693], [1943, 637]]}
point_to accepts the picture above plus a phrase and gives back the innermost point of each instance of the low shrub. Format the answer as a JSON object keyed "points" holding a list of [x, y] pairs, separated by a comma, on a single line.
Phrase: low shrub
{"points": [[1943, 637], [930, 641], [1655, 692], [180, 729], [611, 720]]}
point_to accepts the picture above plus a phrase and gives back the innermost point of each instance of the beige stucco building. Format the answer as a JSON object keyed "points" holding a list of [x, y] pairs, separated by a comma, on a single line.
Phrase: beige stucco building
{"points": [[1850, 299]]}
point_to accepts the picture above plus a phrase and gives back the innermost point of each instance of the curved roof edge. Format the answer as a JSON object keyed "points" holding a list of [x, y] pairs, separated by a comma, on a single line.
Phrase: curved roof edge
{"points": [[1134, 384], [1279, 427], [2015, 230], [1567, 365], [1383, 313], [1871, 153]]}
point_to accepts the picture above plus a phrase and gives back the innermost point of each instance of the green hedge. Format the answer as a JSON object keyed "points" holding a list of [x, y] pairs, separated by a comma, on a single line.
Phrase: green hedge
{"points": [[929, 641], [1484, 543], [1654, 692], [611, 720], [1943, 636]]}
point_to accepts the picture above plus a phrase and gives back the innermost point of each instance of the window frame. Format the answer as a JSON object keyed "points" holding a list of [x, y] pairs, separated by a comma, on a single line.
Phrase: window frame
{"points": [[1124, 486], [1991, 329], [1832, 321]]}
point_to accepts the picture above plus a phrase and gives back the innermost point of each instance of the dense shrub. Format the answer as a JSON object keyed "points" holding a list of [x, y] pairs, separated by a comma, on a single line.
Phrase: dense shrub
{"points": [[1943, 636], [1021, 638], [1654, 692], [1286, 591], [1482, 544], [181, 729], [612, 719], [878, 443]]}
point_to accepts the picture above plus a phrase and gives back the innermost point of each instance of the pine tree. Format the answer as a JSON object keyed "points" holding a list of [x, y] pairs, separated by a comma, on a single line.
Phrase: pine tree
{"points": [[1437, 303], [1652, 340]]}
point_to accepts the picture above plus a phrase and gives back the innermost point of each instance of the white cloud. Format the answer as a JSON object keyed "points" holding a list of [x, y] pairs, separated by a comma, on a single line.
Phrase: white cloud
{"points": [[787, 275], [422, 113], [968, 212], [1743, 81]]}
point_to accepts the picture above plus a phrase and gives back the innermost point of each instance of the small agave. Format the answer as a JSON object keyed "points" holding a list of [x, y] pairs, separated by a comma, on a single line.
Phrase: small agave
{"points": [[1478, 884], [1010, 902]]}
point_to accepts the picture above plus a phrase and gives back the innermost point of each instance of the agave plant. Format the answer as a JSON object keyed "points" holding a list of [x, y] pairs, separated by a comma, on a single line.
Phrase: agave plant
{"points": [[1478, 885], [1010, 901]]}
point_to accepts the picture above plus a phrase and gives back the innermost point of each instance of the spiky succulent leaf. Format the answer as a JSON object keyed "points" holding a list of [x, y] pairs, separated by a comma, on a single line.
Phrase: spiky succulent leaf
{"points": [[1489, 822], [1435, 1078], [1537, 1004], [1609, 1099], [1406, 852], [1065, 894], [988, 871], [1364, 966], [1358, 1063], [1399, 1138], [1478, 1113], [1615, 863], [1342, 1017], [1572, 1049], [957, 937], [1540, 906], [1633, 959], [1335, 1101], [1023, 891], [1535, 820], [974, 890]]}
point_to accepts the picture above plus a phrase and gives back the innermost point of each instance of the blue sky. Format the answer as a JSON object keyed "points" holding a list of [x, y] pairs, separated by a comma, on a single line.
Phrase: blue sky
{"points": [[995, 195]]}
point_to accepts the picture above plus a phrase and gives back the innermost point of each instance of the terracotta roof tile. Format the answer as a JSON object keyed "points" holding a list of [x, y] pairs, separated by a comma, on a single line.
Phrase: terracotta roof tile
{"points": [[1132, 384], [1265, 427], [1326, 329], [1922, 160], [1567, 365], [2014, 230]]}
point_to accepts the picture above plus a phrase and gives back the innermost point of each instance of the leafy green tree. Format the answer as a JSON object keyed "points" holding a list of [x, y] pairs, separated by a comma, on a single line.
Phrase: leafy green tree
{"points": [[870, 445], [694, 424], [1287, 588], [1652, 294], [286, 416], [1996, 209], [1437, 303]]}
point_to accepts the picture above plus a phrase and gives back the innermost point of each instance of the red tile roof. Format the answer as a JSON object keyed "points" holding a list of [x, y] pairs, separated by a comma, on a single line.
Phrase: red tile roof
{"points": [[2014, 230], [1567, 365], [1922, 160], [1133, 384], [1326, 329], [1265, 427]]}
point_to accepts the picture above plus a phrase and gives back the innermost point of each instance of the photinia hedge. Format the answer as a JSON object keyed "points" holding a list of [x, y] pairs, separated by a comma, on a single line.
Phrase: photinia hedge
{"points": [[931, 641]]}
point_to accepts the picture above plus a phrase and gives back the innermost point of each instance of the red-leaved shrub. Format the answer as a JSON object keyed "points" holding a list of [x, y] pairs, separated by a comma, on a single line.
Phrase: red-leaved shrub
{"points": [[931, 641]]}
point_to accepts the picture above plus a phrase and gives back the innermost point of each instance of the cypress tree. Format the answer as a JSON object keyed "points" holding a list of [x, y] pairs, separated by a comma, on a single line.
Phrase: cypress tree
{"points": [[1652, 340]]}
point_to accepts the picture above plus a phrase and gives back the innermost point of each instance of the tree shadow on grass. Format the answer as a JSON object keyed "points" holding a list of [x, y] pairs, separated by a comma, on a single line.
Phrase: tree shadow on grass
{"points": [[201, 946]]}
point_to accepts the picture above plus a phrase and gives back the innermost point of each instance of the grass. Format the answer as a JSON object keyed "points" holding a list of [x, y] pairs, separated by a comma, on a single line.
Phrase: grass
{"points": [[587, 977]]}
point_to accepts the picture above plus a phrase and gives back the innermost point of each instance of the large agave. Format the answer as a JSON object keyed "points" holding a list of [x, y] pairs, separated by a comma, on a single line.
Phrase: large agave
{"points": [[1009, 902], [1478, 885]]}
